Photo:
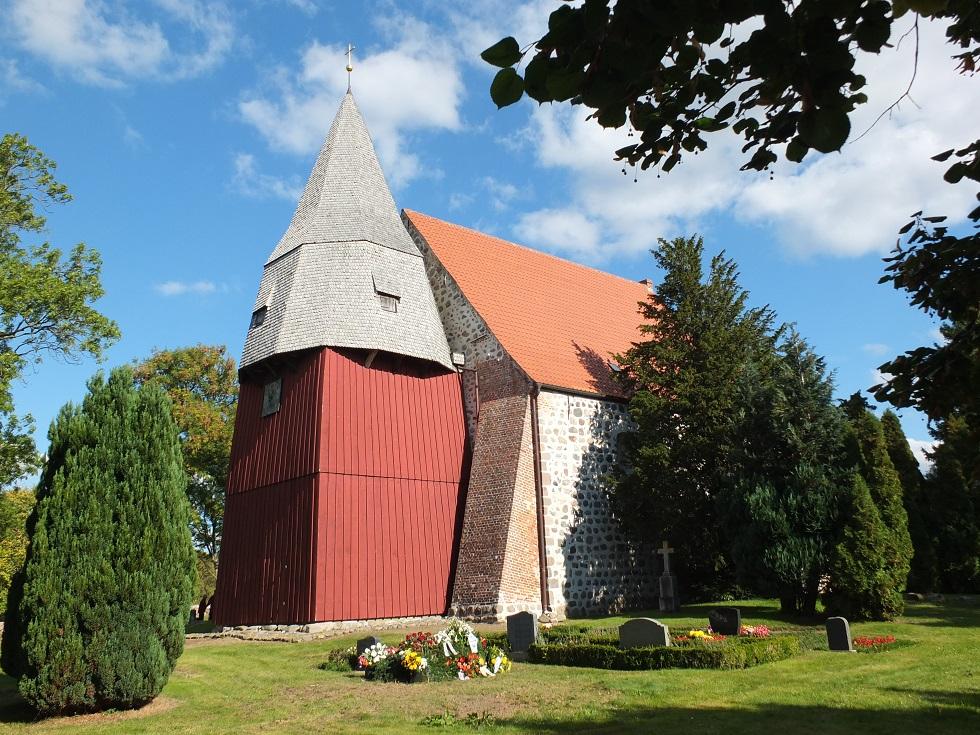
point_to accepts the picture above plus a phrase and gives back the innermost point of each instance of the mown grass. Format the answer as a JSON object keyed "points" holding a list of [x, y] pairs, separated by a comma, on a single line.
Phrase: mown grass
{"points": [[223, 686]]}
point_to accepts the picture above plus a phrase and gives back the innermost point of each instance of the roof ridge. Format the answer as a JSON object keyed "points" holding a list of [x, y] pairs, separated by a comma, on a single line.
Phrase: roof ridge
{"points": [[529, 248]]}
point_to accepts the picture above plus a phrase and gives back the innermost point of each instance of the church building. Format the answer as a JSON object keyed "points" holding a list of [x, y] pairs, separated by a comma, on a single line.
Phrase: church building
{"points": [[425, 416]]}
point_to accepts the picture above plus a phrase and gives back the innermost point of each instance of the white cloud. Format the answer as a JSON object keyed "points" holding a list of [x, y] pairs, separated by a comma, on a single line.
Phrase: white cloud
{"points": [[458, 200], [309, 7], [880, 378], [919, 448], [12, 79], [107, 45], [413, 85], [180, 288], [876, 348], [844, 204], [248, 180]]}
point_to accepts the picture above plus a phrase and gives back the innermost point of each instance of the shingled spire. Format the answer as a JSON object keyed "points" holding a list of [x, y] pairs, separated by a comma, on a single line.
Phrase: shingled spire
{"points": [[346, 273]]}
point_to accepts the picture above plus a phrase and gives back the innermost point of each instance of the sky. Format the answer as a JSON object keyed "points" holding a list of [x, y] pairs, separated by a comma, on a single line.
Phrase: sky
{"points": [[185, 129]]}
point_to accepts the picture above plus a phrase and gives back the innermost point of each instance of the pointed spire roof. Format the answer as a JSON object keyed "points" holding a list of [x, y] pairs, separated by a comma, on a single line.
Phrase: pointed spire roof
{"points": [[346, 273], [346, 197]]}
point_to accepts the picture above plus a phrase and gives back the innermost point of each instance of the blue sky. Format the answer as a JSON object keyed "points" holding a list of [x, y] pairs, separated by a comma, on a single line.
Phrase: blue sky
{"points": [[185, 130]]}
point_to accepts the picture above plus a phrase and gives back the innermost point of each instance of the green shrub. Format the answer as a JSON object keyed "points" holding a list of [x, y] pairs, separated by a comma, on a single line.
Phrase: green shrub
{"points": [[103, 598], [735, 653], [340, 659]]}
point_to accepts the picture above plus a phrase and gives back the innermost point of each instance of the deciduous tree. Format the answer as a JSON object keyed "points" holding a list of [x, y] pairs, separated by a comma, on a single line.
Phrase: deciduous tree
{"points": [[45, 296], [203, 385]]}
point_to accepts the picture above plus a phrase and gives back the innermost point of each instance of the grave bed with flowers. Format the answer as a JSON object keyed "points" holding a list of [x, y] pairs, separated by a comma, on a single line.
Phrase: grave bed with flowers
{"points": [[456, 652], [693, 649]]}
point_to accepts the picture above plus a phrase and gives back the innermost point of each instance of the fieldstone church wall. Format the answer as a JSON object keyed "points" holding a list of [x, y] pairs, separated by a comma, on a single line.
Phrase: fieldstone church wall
{"points": [[591, 567]]}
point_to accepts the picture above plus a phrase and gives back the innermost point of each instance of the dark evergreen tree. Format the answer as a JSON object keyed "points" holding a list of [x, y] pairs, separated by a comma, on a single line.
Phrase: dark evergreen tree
{"points": [[952, 493], [685, 377], [924, 574], [780, 512], [861, 587], [109, 572], [868, 454]]}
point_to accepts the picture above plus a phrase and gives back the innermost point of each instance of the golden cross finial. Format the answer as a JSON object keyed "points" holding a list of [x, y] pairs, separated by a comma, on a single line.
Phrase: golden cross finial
{"points": [[350, 64]]}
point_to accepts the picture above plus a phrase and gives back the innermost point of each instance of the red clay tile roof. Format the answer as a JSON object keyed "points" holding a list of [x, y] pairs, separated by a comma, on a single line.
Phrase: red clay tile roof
{"points": [[559, 320]]}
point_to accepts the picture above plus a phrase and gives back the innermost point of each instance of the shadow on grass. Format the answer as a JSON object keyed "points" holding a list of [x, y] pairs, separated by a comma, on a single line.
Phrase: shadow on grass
{"points": [[13, 708], [951, 613], [958, 714]]}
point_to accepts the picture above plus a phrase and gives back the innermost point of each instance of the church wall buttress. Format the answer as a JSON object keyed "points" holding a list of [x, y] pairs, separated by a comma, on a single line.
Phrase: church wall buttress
{"points": [[591, 567]]}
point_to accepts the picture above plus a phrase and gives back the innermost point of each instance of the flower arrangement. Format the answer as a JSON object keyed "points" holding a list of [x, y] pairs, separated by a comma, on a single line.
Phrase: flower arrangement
{"points": [[878, 641], [456, 652], [700, 636], [755, 631]]}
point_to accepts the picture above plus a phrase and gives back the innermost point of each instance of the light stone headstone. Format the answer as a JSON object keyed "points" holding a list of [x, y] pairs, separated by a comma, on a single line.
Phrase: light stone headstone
{"points": [[725, 620], [365, 643], [640, 632], [839, 635], [522, 631]]}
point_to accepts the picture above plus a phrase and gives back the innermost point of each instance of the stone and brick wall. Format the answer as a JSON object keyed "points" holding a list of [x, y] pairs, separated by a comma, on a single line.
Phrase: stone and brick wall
{"points": [[591, 567]]}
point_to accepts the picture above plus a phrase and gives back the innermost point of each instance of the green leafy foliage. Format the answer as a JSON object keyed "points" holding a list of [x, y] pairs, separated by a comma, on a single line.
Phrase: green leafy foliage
{"points": [[96, 619], [924, 575], [701, 339], [202, 384], [871, 561], [952, 503], [780, 512], [15, 507], [734, 653], [45, 295], [667, 67]]}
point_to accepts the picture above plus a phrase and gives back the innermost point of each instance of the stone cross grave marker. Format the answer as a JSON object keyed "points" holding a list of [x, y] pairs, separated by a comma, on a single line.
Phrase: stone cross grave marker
{"points": [[725, 620], [839, 635], [522, 631], [365, 643], [640, 632], [668, 582]]}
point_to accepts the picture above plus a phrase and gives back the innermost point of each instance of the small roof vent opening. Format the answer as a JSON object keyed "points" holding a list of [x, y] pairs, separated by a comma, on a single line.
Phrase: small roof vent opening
{"points": [[388, 302], [258, 317]]}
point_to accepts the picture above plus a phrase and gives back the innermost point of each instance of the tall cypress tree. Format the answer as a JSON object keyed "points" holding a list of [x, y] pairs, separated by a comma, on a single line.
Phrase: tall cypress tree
{"points": [[924, 573], [702, 337], [953, 496], [109, 572], [868, 455]]}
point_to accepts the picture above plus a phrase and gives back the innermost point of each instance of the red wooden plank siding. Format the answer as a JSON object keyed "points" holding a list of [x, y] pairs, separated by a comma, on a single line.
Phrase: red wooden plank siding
{"points": [[346, 503]]}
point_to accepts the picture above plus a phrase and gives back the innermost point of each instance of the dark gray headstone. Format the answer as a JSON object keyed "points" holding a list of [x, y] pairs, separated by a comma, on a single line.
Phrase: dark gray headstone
{"points": [[839, 635], [522, 631], [365, 643], [640, 632], [725, 620]]}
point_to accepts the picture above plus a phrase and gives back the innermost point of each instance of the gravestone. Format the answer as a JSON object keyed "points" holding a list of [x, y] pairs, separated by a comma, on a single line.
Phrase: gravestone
{"points": [[522, 631], [640, 632], [839, 635], [668, 582], [201, 607], [365, 643], [725, 620]]}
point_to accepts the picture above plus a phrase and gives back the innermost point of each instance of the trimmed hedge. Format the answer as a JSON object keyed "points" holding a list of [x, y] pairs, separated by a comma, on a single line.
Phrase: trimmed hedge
{"points": [[736, 653]]}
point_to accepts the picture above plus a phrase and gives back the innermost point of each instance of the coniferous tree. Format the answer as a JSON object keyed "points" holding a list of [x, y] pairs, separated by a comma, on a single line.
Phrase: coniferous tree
{"points": [[702, 338], [109, 571], [923, 575], [868, 454], [861, 587], [953, 496], [781, 509]]}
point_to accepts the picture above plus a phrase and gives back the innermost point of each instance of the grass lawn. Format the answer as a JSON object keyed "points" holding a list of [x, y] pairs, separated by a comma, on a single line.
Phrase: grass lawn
{"points": [[224, 686]]}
